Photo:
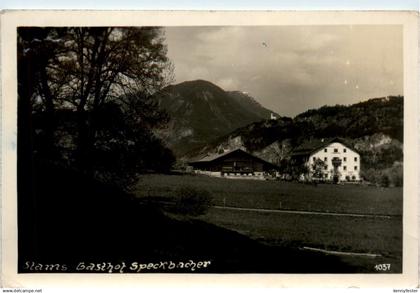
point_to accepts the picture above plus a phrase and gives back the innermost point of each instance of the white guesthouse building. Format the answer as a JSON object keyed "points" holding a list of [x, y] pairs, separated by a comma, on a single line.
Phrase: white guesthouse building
{"points": [[340, 162]]}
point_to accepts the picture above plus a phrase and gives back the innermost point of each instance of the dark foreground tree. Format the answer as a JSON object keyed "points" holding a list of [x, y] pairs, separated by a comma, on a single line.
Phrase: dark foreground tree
{"points": [[88, 92]]}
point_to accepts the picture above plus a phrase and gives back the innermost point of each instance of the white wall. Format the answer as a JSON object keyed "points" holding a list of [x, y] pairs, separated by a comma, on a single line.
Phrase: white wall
{"points": [[350, 161], [233, 175], [209, 173]]}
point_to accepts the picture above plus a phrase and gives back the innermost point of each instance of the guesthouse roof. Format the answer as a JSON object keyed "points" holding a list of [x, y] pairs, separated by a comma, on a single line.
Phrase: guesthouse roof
{"points": [[313, 145]]}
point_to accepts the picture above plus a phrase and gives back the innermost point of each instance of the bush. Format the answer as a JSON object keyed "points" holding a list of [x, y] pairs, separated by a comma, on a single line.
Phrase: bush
{"points": [[392, 176], [384, 181], [370, 175], [192, 201], [396, 175]]}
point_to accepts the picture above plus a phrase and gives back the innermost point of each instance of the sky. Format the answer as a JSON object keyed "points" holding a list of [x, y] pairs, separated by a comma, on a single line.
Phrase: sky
{"points": [[290, 69]]}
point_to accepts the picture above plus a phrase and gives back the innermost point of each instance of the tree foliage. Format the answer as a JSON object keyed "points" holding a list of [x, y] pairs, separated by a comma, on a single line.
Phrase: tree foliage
{"points": [[379, 115], [392, 176], [89, 91], [318, 169], [295, 168]]}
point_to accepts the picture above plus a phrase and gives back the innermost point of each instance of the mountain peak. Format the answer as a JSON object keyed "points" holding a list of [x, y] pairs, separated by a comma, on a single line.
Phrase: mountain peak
{"points": [[199, 84], [205, 112], [251, 104], [240, 93]]}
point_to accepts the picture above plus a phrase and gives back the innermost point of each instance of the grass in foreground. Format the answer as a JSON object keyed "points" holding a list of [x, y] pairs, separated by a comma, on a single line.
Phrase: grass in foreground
{"points": [[345, 234], [377, 236]]}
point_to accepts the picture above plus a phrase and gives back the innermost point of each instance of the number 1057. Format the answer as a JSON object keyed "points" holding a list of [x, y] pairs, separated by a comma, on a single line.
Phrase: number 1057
{"points": [[383, 267]]}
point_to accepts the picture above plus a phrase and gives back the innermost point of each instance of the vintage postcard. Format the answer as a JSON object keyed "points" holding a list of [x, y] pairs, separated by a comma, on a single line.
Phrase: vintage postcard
{"points": [[218, 148]]}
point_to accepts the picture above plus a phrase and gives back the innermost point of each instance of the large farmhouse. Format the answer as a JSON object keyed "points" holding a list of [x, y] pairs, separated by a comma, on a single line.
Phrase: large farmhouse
{"points": [[330, 160], [233, 164]]}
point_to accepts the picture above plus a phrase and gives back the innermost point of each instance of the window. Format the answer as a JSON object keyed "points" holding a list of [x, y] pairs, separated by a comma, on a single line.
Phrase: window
{"points": [[344, 150], [355, 168], [325, 167], [353, 177], [355, 159], [344, 168], [335, 150], [345, 159], [325, 150], [313, 159], [325, 159]]}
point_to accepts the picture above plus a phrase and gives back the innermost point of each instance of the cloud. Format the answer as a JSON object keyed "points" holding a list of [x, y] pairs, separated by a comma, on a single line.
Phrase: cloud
{"points": [[292, 68]]}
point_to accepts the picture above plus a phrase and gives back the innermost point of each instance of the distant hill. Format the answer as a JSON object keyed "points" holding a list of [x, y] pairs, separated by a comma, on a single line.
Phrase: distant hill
{"points": [[374, 128], [201, 112], [379, 115]]}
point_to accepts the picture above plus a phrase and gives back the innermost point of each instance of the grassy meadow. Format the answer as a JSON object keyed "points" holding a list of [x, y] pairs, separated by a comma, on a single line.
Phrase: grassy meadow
{"points": [[346, 234], [280, 194]]}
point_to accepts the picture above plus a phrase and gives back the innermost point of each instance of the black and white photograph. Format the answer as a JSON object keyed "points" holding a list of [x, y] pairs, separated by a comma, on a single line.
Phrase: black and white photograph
{"points": [[210, 149]]}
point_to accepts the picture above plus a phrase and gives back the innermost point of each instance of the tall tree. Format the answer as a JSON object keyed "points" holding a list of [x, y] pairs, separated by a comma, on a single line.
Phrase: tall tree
{"points": [[38, 49], [87, 71]]}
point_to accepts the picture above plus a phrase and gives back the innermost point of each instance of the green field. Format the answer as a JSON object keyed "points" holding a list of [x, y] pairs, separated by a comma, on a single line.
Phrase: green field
{"points": [[280, 194], [346, 234], [378, 236]]}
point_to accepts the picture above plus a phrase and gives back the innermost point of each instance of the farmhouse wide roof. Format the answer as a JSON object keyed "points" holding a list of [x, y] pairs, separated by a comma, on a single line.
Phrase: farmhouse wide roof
{"points": [[214, 157]]}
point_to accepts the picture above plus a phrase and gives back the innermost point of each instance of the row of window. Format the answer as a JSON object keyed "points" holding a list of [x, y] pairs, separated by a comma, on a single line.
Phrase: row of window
{"points": [[344, 168], [326, 159], [335, 150], [348, 178]]}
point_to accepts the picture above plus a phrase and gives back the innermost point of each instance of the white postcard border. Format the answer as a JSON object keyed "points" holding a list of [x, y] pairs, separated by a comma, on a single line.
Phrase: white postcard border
{"points": [[10, 20]]}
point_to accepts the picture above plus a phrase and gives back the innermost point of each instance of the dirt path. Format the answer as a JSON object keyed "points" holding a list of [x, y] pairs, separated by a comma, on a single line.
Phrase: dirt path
{"points": [[305, 212]]}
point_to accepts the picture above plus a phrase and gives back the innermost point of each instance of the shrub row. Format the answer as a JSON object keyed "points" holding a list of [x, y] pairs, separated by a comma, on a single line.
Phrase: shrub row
{"points": [[389, 177]]}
